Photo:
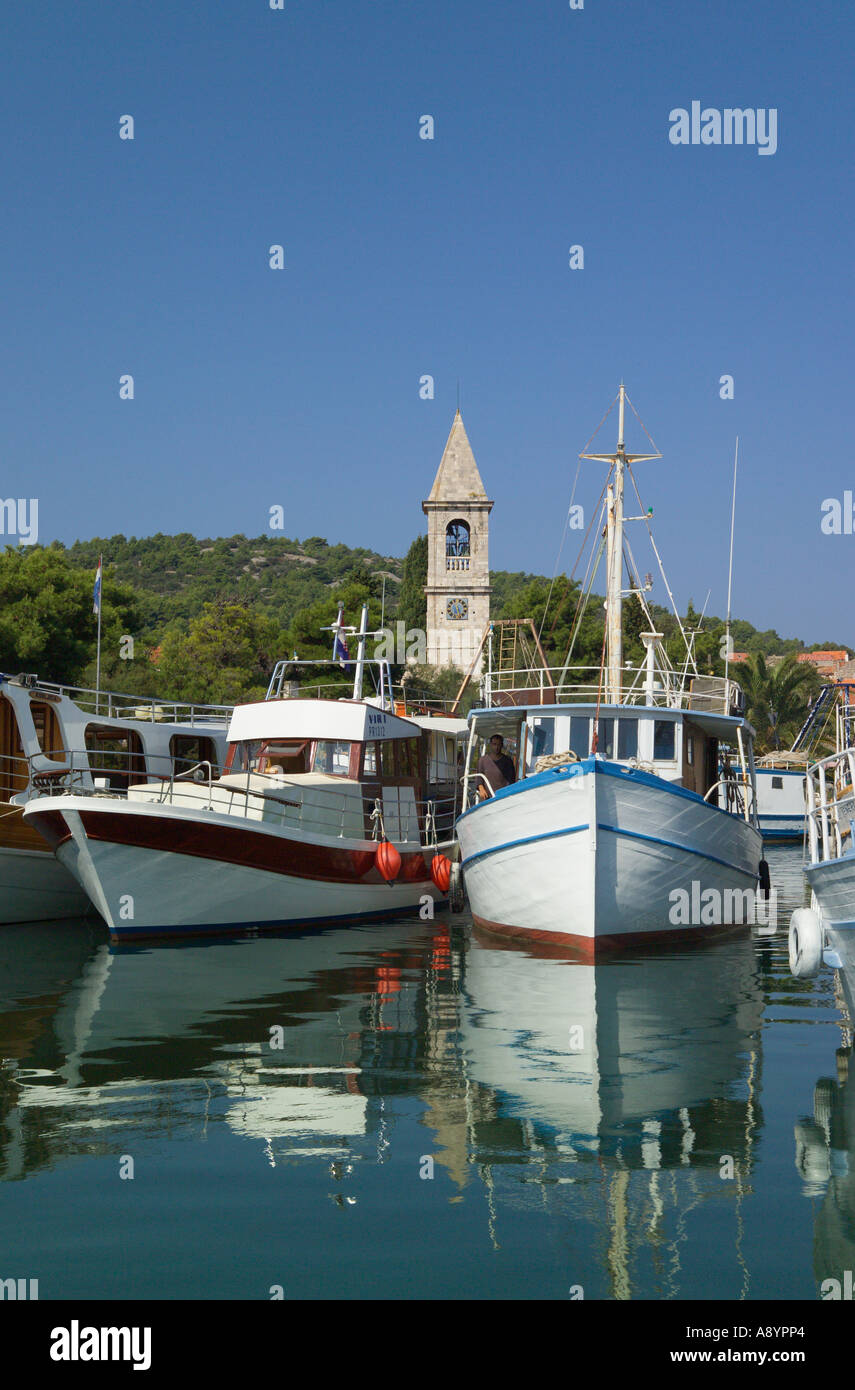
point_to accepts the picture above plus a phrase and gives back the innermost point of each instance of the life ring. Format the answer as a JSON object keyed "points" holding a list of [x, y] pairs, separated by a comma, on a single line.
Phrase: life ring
{"points": [[805, 943]]}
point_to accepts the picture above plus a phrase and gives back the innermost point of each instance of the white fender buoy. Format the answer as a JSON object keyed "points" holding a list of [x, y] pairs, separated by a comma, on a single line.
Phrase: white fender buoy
{"points": [[805, 943]]}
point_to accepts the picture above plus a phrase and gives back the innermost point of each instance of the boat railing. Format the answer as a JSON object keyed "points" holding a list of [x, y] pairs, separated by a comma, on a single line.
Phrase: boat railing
{"points": [[738, 796], [830, 806], [84, 771], [392, 813], [142, 709], [587, 685]]}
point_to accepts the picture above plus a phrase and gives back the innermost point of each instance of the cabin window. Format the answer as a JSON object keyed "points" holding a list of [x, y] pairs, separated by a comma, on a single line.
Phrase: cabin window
{"points": [[580, 737], [690, 749], [47, 727], [243, 756], [283, 755], [663, 740], [627, 746], [408, 755], [188, 750], [543, 738], [627, 738], [379, 758], [115, 753], [778, 784], [332, 756]]}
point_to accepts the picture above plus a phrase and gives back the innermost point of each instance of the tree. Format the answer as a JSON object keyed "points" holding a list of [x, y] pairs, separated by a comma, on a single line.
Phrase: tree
{"points": [[226, 657], [46, 620], [777, 698], [412, 604]]}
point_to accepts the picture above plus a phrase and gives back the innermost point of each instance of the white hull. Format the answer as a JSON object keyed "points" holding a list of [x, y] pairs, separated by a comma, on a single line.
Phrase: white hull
{"points": [[34, 887], [595, 857], [833, 886], [781, 808], [144, 891]]}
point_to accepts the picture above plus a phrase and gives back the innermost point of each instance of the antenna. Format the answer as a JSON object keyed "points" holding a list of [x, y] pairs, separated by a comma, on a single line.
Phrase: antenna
{"points": [[730, 566]]}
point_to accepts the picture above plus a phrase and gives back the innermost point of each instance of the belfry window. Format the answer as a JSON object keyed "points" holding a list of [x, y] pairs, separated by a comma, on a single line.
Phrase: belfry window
{"points": [[456, 540]]}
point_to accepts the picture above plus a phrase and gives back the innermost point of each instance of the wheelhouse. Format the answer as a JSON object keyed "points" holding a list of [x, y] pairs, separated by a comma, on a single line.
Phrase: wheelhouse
{"points": [[708, 754]]}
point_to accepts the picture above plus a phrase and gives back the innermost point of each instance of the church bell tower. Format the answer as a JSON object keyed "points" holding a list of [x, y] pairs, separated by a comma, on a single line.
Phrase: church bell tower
{"points": [[458, 580]]}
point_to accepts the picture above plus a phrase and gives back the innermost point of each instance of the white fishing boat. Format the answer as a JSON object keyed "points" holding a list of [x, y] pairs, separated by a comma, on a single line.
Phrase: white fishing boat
{"points": [[824, 933], [327, 809], [781, 797], [56, 736], [781, 775], [620, 827]]}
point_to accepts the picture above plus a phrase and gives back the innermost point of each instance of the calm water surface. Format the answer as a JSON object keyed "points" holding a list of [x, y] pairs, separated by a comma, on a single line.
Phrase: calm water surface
{"points": [[408, 1110]]}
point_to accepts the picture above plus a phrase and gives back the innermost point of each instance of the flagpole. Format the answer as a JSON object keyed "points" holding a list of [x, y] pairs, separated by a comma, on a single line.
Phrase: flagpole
{"points": [[98, 657]]}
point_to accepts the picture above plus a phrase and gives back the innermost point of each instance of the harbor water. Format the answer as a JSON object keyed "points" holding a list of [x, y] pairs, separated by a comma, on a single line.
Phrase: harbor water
{"points": [[411, 1110]]}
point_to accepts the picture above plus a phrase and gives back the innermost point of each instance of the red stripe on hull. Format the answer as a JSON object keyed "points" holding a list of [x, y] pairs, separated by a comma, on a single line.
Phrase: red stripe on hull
{"points": [[238, 846], [590, 948]]}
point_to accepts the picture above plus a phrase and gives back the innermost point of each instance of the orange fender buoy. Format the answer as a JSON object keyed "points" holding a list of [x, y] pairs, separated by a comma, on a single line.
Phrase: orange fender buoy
{"points": [[440, 872], [388, 860]]}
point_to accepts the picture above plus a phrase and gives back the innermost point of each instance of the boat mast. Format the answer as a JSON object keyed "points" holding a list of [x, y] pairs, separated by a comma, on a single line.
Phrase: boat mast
{"points": [[730, 565], [360, 659], [614, 552]]}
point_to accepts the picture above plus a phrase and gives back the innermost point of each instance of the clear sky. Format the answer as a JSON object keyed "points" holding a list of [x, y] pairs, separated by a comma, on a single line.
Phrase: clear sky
{"points": [[403, 256]]}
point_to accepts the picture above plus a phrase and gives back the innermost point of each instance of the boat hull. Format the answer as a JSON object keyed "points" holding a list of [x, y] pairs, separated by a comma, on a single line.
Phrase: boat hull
{"points": [[599, 857], [833, 885], [34, 886], [153, 870]]}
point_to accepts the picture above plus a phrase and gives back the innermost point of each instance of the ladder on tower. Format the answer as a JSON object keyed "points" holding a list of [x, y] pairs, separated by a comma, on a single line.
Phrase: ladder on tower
{"points": [[517, 669]]}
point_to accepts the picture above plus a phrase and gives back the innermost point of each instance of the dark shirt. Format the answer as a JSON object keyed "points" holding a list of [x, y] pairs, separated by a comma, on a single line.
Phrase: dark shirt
{"points": [[500, 772]]}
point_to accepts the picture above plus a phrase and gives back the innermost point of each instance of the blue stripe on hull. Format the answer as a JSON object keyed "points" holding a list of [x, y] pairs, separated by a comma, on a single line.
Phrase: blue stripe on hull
{"points": [[614, 830]]}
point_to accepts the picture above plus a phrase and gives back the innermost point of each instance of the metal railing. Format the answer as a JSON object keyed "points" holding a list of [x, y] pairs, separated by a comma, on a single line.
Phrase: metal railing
{"points": [[830, 810], [587, 685], [112, 705], [275, 800], [739, 796]]}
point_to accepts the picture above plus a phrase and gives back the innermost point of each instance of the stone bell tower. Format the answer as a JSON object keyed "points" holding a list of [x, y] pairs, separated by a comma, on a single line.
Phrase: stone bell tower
{"points": [[458, 580]]}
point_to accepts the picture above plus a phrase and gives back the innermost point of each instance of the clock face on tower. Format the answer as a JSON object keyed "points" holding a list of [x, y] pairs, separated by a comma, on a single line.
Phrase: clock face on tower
{"points": [[457, 608]]}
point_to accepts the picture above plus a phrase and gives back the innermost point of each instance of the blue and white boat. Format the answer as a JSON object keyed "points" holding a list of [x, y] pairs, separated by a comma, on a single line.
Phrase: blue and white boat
{"points": [[620, 828], [781, 797]]}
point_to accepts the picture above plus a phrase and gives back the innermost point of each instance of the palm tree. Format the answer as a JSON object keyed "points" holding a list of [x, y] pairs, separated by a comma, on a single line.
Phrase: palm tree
{"points": [[777, 698]]}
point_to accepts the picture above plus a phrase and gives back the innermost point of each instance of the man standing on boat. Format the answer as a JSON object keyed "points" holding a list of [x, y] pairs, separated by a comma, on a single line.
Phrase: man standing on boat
{"points": [[496, 767]]}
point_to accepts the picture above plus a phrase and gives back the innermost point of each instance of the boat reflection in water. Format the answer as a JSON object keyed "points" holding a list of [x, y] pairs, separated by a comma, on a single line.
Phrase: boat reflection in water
{"points": [[825, 1158], [334, 1062], [635, 1069]]}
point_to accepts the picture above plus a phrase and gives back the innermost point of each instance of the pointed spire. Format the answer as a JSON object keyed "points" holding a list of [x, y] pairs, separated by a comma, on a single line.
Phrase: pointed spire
{"points": [[457, 478]]}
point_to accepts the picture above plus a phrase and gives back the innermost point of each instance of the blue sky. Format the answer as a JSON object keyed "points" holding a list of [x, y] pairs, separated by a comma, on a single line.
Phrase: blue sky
{"points": [[256, 387]]}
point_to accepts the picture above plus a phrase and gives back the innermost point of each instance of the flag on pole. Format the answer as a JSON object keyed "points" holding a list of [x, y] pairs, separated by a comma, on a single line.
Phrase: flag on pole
{"points": [[340, 652], [96, 592]]}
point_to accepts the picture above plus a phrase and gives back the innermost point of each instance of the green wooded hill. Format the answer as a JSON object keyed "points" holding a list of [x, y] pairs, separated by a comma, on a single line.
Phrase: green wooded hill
{"points": [[208, 618]]}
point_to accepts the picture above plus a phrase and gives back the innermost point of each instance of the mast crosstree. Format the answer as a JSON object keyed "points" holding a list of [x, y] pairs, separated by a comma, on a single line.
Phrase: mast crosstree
{"points": [[614, 550]]}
